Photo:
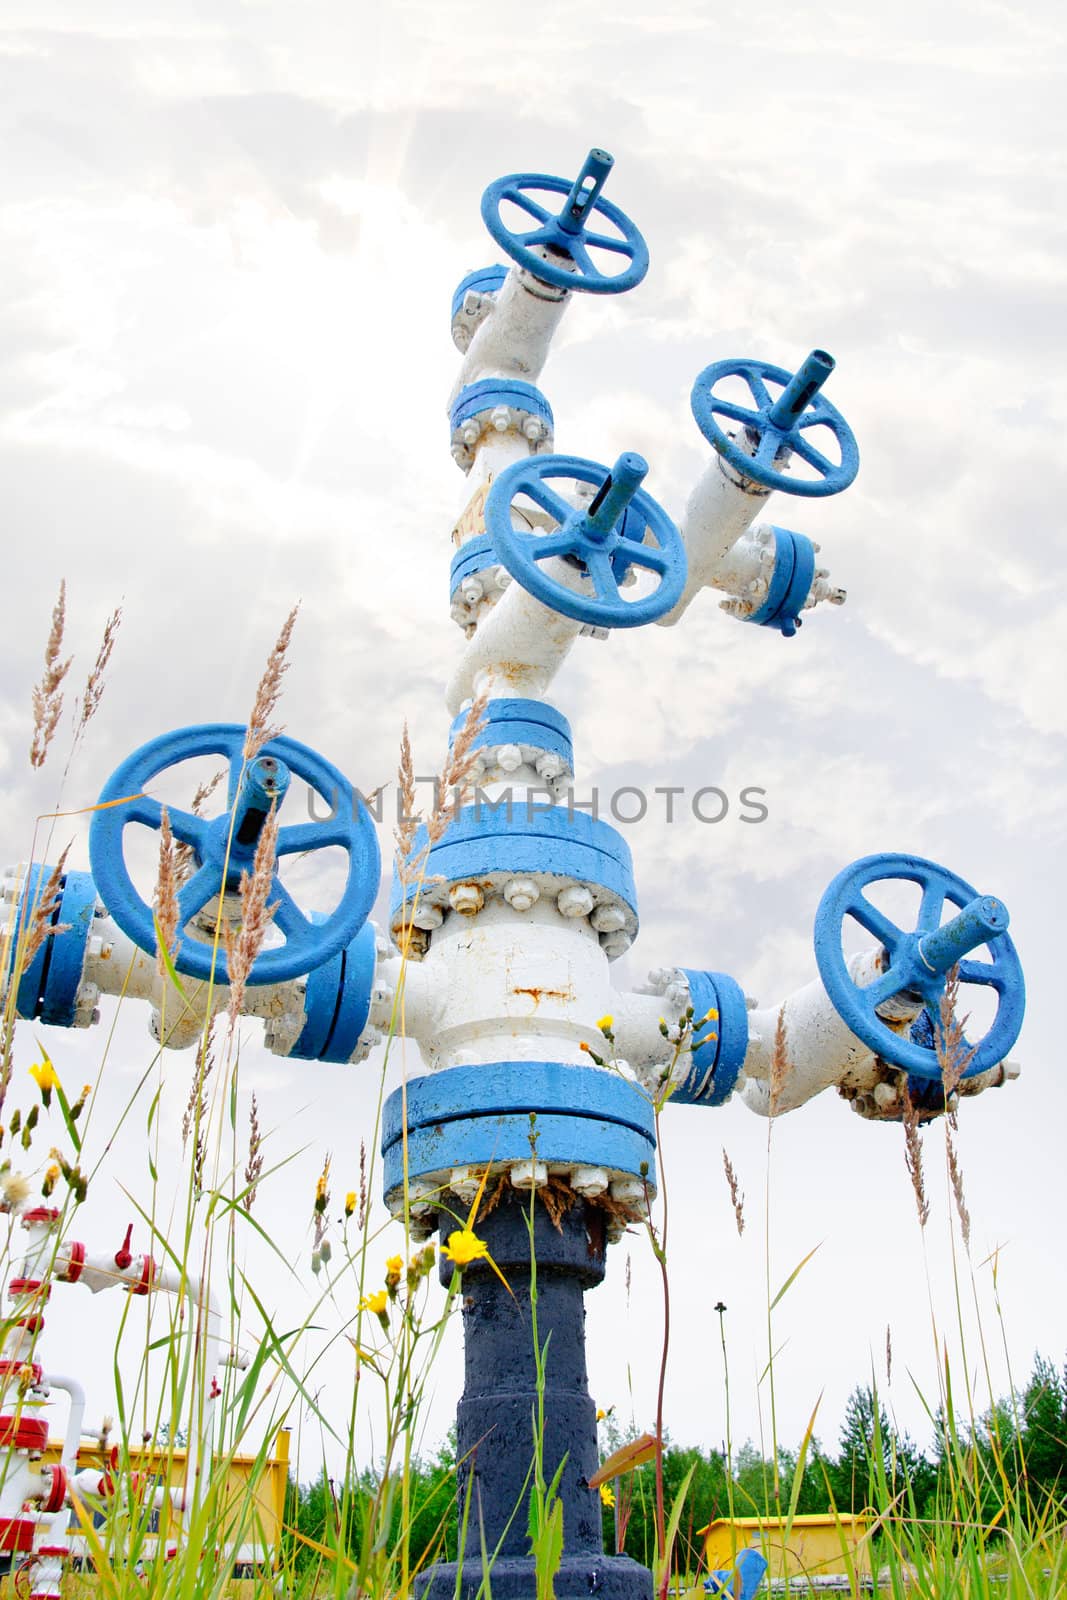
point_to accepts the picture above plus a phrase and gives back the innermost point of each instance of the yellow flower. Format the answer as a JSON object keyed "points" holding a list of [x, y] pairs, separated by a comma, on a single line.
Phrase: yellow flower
{"points": [[607, 1494], [606, 1023], [463, 1247], [375, 1303], [710, 1015], [600, 1415], [394, 1266], [350, 1202], [46, 1078]]}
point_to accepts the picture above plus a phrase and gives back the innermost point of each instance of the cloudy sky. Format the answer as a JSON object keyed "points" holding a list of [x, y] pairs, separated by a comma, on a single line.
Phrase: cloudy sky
{"points": [[228, 241]]}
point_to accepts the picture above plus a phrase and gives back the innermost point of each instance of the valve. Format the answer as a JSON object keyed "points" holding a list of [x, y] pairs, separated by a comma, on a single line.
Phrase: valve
{"points": [[566, 234], [790, 585], [604, 542], [50, 987], [773, 429], [918, 962], [225, 846]]}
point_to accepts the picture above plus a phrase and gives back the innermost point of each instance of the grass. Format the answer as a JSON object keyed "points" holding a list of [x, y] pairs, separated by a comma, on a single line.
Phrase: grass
{"points": [[370, 1528]]}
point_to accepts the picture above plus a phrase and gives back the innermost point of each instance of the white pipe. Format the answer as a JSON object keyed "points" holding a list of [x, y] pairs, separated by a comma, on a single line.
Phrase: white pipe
{"points": [[519, 647], [75, 1415], [514, 339], [115, 965], [821, 1051], [717, 514], [142, 1275]]}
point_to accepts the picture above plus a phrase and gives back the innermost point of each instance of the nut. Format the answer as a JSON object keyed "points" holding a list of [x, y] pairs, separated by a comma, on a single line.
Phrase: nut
{"points": [[466, 898], [521, 893], [608, 918], [575, 901]]}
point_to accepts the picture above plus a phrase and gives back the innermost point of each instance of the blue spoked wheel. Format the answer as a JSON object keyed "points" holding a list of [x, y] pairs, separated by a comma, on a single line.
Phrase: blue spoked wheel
{"points": [[224, 847], [563, 232], [919, 961], [623, 529], [774, 428]]}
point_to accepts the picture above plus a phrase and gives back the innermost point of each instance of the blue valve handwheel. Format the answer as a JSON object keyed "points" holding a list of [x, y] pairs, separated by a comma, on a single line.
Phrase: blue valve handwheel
{"points": [[565, 233], [774, 428], [603, 543], [919, 960], [221, 854]]}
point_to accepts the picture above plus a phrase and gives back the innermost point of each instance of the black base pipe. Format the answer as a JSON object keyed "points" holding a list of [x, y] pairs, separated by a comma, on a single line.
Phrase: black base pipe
{"points": [[495, 1417]]}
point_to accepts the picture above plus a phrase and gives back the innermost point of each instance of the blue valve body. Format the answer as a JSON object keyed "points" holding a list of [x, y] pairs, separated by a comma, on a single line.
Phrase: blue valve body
{"points": [[794, 570], [772, 430], [605, 540], [486, 280], [221, 853], [474, 1116], [917, 961], [48, 988], [567, 234]]}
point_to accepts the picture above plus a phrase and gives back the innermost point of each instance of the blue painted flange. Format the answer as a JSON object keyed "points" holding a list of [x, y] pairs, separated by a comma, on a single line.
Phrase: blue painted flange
{"points": [[522, 722], [794, 569], [474, 556], [474, 1116], [566, 844], [566, 234], [67, 958], [48, 987], [602, 542], [478, 398], [337, 1002], [775, 427], [222, 852], [919, 961], [486, 280], [719, 1046]]}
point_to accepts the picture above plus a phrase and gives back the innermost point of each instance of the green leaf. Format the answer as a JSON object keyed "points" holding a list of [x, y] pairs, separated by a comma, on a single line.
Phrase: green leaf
{"points": [[663, 1561], [793, 1276], [171, 969]]}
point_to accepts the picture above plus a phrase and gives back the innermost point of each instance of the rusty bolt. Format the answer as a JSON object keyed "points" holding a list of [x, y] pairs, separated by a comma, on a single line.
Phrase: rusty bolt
{"points": [[466, 898]]}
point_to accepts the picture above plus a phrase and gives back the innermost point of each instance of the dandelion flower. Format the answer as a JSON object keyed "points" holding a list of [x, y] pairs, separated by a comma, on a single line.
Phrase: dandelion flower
{"points": [[377, 1304], [607, 1495], [605, 1024], [350, 1202], [46, 1078], [463, 1247], [14, 1190]]}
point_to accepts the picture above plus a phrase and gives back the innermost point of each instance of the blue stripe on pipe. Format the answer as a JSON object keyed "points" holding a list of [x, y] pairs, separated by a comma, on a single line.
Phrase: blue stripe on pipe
{"points": [[32, 979], [478, 1141], [360, 960], [721, 1046], [529, 733], [486, 280], [60, 993], [501, 1087], [485, 839], [477, 554], [518, 855], [321, 1000], [508, 709], [477, 398]]}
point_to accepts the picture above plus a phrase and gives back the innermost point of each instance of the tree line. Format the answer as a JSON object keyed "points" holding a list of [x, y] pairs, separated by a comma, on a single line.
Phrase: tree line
{"points": [[1016, 1449]]}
